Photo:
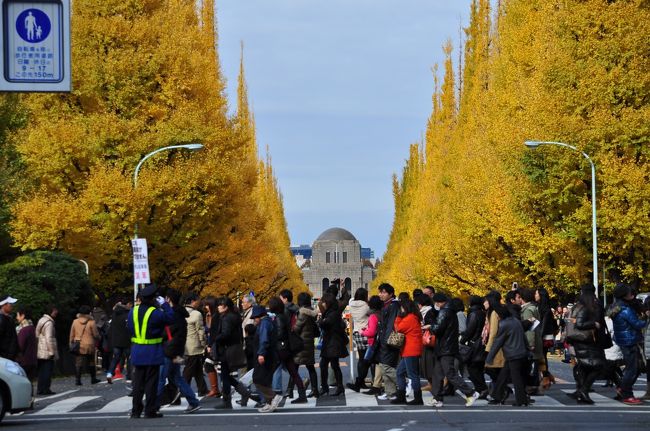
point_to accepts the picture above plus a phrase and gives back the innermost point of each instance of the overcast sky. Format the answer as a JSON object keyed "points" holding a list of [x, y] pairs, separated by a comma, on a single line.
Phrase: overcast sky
{"points": [[340, 89]]}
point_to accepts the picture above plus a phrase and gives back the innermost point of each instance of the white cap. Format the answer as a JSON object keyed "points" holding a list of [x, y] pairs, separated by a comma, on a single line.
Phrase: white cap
{"points": [[6, 299]]}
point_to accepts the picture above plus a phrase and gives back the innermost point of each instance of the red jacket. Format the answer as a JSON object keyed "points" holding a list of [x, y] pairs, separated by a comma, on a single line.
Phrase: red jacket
{"points": [[411, 328]]}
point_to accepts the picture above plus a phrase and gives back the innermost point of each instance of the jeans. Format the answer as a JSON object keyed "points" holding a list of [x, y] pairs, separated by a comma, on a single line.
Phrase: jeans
{"points": [[120, 355], [631, 372], [277, 380], [409, 365], [172, 371]]}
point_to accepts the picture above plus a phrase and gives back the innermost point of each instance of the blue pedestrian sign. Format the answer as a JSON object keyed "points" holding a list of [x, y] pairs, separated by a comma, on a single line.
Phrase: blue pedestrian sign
{"points": [[36, 45]]}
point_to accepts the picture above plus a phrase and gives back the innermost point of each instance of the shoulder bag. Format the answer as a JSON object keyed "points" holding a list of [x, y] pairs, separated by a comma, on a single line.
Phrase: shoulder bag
{"points": [[75, 345]]}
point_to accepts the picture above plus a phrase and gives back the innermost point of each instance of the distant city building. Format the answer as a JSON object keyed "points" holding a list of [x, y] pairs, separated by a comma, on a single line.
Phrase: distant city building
{"points": [[336, 254]]}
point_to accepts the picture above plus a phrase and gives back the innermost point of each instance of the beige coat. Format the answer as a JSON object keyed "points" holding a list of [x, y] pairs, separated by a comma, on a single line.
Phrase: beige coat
{"points": [[87, 337], [499, 359], [195, 342], [46, 336]]}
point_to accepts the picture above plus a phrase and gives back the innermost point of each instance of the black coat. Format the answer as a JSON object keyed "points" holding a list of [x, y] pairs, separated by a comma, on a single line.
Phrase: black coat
{"points": [[388, 355], [446, 330], [8, 337], [283, 322], [308, 331], [333, 332], [589, 353], [510, 337], [227, 332], [475, 323], [178, 329], [120, 336]]}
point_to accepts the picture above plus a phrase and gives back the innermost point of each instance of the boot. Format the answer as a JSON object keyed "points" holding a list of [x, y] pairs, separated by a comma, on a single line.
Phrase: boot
{"points": [[214, 388], [417, 398], [227, 403], [313, 394], [77, 376], [324, 391], [356, 386], [245, 394], [93, 375], [302, 397], [401, 397]]}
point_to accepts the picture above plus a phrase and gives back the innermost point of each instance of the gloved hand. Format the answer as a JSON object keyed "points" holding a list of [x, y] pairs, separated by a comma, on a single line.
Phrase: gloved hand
{"points": [[160, 300]]}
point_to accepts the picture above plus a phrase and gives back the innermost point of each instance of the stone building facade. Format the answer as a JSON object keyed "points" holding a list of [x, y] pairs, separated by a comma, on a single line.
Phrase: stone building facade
{"points": [[336, 254]]}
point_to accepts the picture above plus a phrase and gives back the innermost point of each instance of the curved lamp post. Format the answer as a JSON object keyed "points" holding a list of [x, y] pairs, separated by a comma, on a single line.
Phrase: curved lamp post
{"points": [[191, 147], [533, 145], [85, 265]]}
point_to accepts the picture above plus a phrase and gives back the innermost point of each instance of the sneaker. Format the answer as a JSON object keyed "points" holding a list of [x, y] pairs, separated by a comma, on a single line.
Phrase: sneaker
{"points": [[176, 399], [266, 408], [275, 402], [632, 401], [409, 389], [109, 378], [471, 399], [385, 397], [437, 404], [192, 409]]}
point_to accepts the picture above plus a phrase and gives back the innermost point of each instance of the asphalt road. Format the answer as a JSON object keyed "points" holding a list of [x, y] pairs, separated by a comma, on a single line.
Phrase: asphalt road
{"points": [[105, 407]]}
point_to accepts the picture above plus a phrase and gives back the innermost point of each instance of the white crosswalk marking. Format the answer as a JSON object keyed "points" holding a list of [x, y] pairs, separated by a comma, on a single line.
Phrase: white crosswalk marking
{"points": [[546, 401], [311, 402], [119, 405], [65, 406], [360, 400]]}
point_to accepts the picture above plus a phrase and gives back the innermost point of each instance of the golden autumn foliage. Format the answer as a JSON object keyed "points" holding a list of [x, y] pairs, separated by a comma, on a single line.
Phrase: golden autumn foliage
{"points": [[476, 210], [146, 75]]}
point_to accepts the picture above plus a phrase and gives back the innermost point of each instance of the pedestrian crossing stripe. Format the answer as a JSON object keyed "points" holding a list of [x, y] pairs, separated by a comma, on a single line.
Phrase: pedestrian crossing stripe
{"points": [[350, 400]]}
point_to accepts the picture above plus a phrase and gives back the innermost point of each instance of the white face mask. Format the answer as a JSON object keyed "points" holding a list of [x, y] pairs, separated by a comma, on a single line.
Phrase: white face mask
{"points": [[437, 307]]}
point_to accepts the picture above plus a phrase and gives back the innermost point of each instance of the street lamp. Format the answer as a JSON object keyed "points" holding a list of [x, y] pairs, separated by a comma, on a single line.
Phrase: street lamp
{"points": [[533, 145], [85, 265], [191, 147]]}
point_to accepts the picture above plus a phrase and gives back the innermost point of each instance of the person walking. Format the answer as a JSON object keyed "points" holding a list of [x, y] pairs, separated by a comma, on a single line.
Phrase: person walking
{"points": [[146, 324], [549, 330], [445, 329], [84, 330], [307, 329], [247, 303], [589, 350], [8, 336], [228, 343], [267, 358], [510, 337], [388, 355], [211, 314], [47, 351], [285, 317], [27, 344], [628, 336], [195, 344], [120, 340], [408, 323], [368, 361], [472, 337], [489, 334], [359, 311], [334, 343], [533, 331], [173, 350]]}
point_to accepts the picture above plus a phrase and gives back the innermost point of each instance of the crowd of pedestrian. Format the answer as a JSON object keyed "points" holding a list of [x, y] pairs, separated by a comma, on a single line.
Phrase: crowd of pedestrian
{"points": [[167, 341]]}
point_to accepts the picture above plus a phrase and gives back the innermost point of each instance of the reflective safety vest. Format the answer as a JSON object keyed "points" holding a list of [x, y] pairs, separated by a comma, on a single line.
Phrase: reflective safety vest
{"points": [[141, 331]]}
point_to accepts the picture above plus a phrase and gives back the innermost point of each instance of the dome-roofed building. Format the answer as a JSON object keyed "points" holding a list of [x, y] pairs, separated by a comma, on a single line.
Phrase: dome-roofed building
{"points": [[336, 254]]}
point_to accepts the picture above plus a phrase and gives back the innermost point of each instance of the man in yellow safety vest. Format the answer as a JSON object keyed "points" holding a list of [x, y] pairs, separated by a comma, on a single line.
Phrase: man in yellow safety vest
{"points": [[146, 323]]}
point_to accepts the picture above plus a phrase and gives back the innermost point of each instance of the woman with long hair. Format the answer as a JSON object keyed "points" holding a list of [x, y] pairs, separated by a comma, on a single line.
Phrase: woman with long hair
{"points": [[228, 335], [472, 337], [408, 323], [307, 330], [590, 355], [549, 329], [210, 310], [489, 334], [334, 343]]}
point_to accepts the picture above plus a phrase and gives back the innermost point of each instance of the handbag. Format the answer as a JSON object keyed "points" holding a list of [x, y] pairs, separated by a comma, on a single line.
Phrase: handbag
{"points": [[75, 345], [235, 356], [428, 339], [575, 335], [319, 344], [396, 340]]}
